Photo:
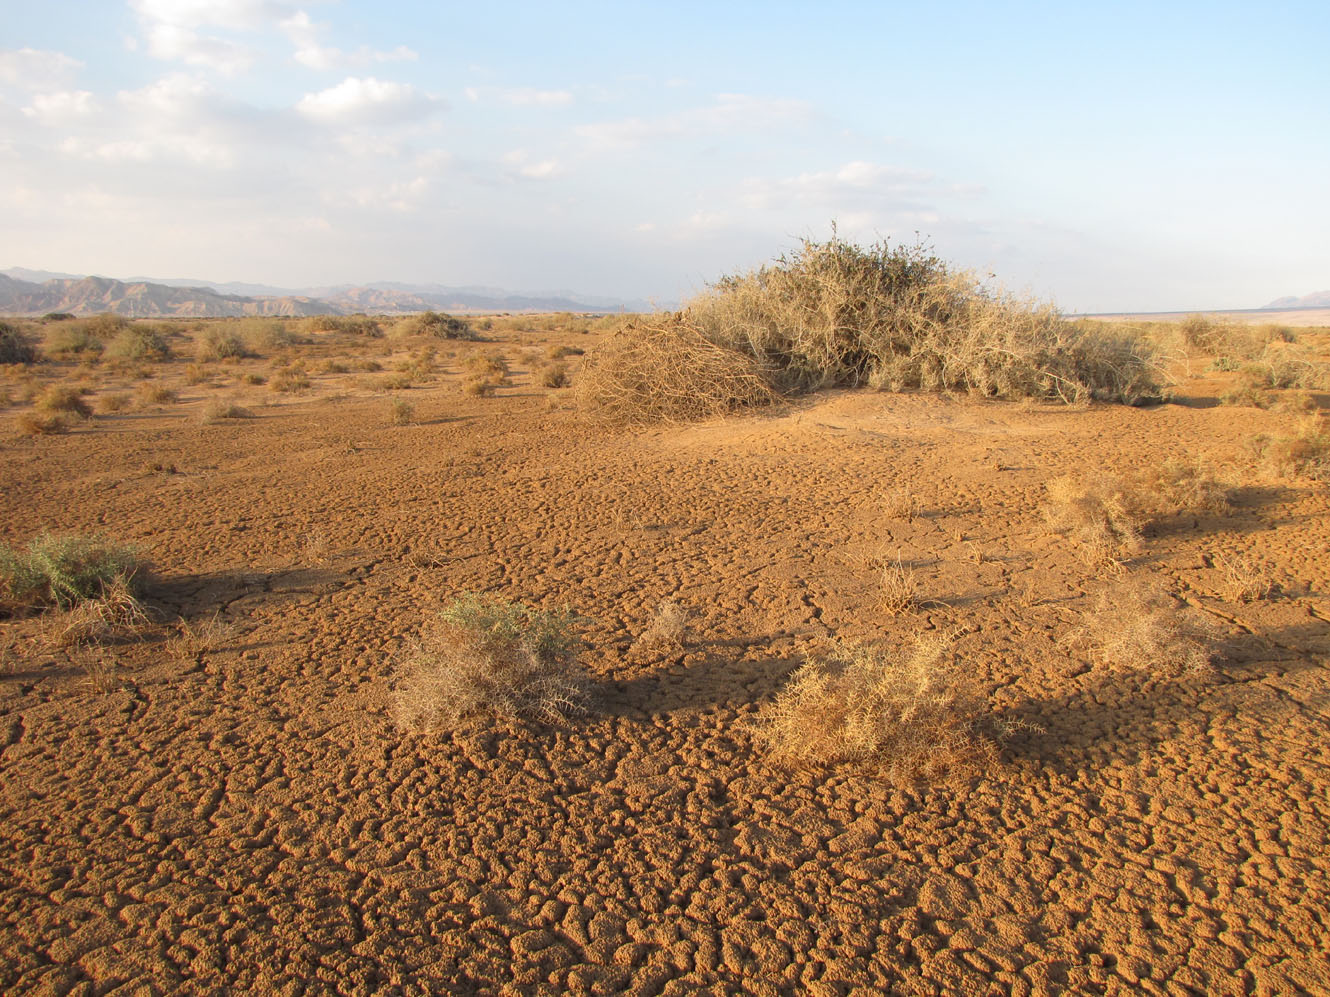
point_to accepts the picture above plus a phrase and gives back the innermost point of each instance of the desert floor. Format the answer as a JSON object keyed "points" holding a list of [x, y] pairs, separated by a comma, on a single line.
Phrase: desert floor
{"points": [[246, 816]]}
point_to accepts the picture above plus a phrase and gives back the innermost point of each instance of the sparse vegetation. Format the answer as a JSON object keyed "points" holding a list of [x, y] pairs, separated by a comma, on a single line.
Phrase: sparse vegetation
{"points": [[40, 424], [355, 325], [480, 387], [898, 588], [555, 376], [154, 394], [292, 379], [1304, 453], [114, 614], [668, 628], [219, 409], [61, 400], [65, 570], [485, 654], [73, 338], [116, 402], [1103, 516], [1224, 338], [401, 412], [1245, 579], [903, 709]]}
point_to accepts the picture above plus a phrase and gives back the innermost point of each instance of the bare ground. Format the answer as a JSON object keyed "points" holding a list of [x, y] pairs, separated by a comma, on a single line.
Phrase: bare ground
{"points": [[250, 818]]}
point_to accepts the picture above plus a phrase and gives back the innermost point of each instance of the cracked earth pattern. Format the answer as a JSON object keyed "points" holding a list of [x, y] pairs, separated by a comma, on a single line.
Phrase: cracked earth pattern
{"points": [[249, 818]]}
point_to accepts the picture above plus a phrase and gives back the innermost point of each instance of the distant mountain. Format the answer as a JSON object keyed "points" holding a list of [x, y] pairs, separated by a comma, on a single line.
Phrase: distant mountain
{"points": [[141, 299], [35, 292], [1320, 299]]}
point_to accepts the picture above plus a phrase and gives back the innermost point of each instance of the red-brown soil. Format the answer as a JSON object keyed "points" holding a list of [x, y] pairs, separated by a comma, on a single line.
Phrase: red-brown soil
{"points": [[253, 820]]}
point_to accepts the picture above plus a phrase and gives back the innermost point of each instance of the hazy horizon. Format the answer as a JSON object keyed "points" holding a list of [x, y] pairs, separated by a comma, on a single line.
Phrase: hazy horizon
{"points": [[1119, 160]]}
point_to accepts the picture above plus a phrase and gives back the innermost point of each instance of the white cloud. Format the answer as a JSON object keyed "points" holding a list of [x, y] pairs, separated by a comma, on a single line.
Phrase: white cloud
{"points": [[521, 96], [177, 43], [529, 97], [854, 184], [246, 15], [542, 170], [53, 108], [729, 112], [368, 100], [306, 35], [34, 70]]}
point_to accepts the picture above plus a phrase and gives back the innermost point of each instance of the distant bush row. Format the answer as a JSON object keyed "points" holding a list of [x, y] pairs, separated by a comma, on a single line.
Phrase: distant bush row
{"points": [[114, 337]]}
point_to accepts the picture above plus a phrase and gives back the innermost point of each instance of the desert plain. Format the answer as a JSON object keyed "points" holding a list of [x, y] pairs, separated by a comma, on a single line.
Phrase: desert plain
{"points": [[226, 801]]}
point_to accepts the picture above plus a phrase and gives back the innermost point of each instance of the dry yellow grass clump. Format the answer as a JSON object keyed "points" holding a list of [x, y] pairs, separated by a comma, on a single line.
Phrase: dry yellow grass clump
{"points": [[1103, 517], [901, 708], [1134, 630], [1106, 515], [484, 654]]}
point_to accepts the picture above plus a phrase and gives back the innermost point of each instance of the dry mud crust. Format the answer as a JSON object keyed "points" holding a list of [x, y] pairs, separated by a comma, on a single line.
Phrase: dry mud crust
{"points": [[251, 819]]}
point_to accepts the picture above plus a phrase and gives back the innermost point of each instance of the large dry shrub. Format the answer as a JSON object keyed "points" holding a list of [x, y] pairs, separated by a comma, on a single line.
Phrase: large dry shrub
{"points": [[1226, 338], [663, 369], [484, 654], [904, 709], [897, 317], [834, 313]]}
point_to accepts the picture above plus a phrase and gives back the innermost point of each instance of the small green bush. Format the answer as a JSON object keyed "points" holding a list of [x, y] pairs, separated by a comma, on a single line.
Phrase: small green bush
{"points": [[65, 570], [487, 654]]}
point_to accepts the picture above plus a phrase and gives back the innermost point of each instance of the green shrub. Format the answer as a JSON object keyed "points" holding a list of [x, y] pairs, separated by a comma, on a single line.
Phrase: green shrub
{"points": [[15, 346], [487, 654], [356, 325], [219, 343], [264, 333], [106, 325], [138, 343], [65, 570], [73, 337]]}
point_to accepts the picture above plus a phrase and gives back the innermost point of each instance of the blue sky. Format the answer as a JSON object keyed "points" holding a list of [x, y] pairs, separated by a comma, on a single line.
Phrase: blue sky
{"points": [[1112, 157]]}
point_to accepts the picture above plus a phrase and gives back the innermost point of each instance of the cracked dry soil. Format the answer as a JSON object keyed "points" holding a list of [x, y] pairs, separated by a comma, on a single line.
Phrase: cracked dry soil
{"points": [[250, 819]]}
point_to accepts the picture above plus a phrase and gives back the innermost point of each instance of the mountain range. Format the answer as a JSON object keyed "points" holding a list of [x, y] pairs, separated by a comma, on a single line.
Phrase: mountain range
{"points": [[1320, 299], [37, 292]]}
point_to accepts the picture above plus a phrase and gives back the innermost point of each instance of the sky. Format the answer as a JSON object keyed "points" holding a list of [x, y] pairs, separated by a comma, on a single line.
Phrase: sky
{"points": [[1108, 157]]}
